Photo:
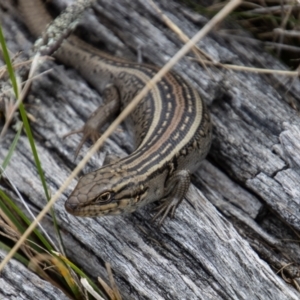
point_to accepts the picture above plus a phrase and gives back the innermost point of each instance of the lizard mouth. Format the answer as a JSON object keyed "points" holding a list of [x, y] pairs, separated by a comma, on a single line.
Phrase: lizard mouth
{"points": [[89, 210]]}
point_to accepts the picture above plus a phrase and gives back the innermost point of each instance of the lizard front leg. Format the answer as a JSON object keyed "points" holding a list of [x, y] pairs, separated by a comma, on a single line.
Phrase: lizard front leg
{"points": [[109, 108], [176, 187]]}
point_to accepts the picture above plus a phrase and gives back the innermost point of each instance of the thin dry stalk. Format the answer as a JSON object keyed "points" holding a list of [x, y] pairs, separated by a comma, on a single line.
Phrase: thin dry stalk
{"points": [[90, 289], [112, 281], [254, 70], [197, 51], [22, 95]]}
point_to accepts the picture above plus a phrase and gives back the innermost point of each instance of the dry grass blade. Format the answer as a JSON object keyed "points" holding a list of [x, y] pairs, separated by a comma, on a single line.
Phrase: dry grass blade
{"points": [[275, 24], [283, 25], [3, 69], [113, 284], [9, 231], [285, 266], [12, 235], [288, 33], [296, 285], [208, 27], [106, 288], [89, 288], [17, 65], [273, 9], [22, 95], [197, 51], [27, 208], [253, 41], [254, 70], [40, 259]]}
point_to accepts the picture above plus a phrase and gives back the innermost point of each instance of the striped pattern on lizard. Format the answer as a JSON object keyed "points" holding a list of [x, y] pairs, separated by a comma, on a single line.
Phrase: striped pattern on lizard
{"points": [[171, 125]]}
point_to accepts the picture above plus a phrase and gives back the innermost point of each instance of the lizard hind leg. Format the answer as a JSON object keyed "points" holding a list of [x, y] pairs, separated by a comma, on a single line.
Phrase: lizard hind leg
{"points": [[176, 187], [99, 117]]}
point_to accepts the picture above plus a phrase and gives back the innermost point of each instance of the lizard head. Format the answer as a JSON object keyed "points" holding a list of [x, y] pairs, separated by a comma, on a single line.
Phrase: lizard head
{"points": [[107, 191]]}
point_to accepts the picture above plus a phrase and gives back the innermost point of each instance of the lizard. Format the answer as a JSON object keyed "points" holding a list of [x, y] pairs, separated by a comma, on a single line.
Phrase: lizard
{"points": [[171, 125]]}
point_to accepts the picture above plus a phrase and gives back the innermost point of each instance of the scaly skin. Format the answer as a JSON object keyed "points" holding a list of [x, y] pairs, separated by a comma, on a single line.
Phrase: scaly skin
{"points": [[171, 125]]}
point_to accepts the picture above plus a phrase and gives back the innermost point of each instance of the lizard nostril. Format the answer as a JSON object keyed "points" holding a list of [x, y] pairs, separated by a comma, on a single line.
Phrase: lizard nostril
{"points": [[70, 207]]}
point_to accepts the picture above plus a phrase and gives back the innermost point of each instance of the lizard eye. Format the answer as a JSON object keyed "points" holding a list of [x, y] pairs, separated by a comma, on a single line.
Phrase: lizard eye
{"points": [[104, 197]]}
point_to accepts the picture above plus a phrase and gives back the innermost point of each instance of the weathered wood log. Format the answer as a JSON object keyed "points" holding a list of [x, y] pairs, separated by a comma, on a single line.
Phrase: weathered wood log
{"points": [[246, 218], [17, 282]]}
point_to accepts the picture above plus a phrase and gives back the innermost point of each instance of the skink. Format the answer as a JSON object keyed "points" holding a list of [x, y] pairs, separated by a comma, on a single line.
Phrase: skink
{"points": [[171, 125]]}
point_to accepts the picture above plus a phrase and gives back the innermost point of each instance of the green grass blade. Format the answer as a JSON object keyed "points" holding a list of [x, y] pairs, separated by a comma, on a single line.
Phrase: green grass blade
{"points": [[27, 128], [17, 256], [20, 213], [23, 113], [79, 272], [8, 64], [11, 148]]}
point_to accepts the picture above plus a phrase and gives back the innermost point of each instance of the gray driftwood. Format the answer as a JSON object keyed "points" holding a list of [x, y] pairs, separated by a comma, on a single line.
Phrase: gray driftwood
{"points": [[17, 282], [245, 225]]}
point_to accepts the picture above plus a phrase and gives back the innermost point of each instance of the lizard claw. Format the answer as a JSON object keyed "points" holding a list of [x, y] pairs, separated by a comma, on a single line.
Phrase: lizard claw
{"points": [[166, 207], [176, 188]]}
